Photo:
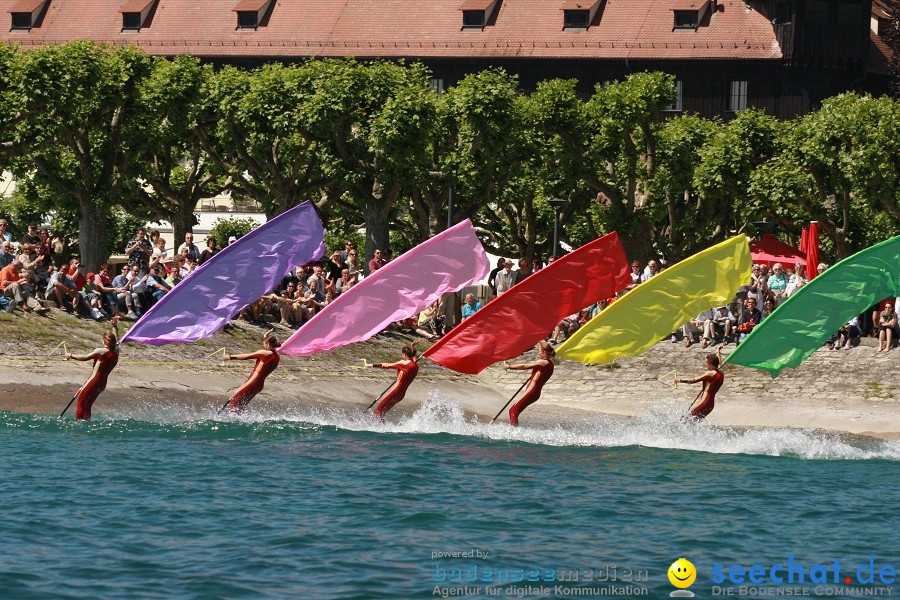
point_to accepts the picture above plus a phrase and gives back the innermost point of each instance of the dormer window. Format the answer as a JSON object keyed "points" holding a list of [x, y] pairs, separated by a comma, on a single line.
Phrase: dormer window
{"points": [[576, 18], [250, 13], [135, 13], [579, 14], [25, 14], [689, 14], [477, 13]]}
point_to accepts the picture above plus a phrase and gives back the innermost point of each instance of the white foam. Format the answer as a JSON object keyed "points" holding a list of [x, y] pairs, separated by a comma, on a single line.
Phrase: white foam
{"points": [[440, 414]]}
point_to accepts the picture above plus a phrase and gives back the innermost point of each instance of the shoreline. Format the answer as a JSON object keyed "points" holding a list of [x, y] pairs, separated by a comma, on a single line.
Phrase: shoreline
{"points": [[853, 392]]}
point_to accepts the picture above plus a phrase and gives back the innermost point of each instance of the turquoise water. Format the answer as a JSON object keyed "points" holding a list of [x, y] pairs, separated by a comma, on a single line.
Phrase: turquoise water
{"points": [[166, 502]]}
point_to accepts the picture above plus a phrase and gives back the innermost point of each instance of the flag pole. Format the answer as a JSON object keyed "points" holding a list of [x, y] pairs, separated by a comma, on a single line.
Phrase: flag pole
{"points": [[521, 387]]}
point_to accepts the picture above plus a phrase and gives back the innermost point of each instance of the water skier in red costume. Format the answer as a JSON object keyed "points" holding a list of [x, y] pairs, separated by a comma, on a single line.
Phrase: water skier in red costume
{"points": [[267, 360], [712, 381], [407, 369], [541, 370], [105, 360]]}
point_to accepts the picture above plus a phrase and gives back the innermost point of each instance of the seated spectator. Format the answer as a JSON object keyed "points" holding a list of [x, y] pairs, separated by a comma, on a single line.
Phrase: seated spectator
{"points": [[188, 248], [719, 326], [124, 293], [778, 283], [768, 308], [821, 268], [173, 277], [36, 263], [750, 318], [345, 282], [536, 265], [432, 318], [505, 277], [876, 310], [5, 234], [138, 282], [63, 290], [335, 266], [158, 255], [17, 287], [353, 266], [567, 326], [75, 272], [91, 294], [847, 334], [157, 285], [317, 283], [31, 235], [108, 292], [651, 271], [470, 307], [410, 325], [797, 280], [887, 328], [6, 253], [209, 252], [696, 327], [635, 275]]}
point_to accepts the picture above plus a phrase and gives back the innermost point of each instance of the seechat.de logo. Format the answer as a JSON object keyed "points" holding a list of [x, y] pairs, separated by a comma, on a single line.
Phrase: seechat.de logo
{"points": [[682, 574]]}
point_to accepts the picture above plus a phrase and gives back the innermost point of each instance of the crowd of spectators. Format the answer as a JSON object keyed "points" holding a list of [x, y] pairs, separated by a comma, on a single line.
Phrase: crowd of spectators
{"points": [[31, 282]]}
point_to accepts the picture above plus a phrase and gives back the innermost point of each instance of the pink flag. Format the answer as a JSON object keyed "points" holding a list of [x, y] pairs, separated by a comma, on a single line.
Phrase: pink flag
{"points": [[447, 262]]}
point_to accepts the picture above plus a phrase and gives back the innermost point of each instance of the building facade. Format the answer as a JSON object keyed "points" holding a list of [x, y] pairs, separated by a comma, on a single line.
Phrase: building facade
{"points": [[784, 56]]}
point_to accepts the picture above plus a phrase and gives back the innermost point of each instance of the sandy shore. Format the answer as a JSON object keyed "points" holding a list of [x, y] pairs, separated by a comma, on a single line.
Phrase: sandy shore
{"points": [[840, 391]]}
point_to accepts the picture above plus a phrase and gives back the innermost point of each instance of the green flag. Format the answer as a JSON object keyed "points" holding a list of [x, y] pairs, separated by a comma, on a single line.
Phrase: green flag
{"points": [[803, 322]]}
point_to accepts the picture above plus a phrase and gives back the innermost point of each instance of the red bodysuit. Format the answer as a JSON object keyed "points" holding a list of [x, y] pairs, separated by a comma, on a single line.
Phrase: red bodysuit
{"points": [[405, 375], [539, 376], [254, 384], [95, 385], [711, 385]]}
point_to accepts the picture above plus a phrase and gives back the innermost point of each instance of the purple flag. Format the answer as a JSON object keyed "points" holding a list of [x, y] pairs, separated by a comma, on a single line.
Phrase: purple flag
{"points": [[447, 262], [214, 293]]}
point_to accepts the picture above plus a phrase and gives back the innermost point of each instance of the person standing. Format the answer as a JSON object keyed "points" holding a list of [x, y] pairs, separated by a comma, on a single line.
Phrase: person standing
{"points": [[407, 369], [188, 247], [267, 360], [377, 261], [505, 278], [139, 250], [492, 278], [712, 382], [105, 360], [209, 252], [541, 371]]}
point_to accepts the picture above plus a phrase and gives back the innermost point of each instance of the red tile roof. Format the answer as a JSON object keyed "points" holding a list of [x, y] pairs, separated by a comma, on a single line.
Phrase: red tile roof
{"points": [[688, 4], [476, 4], [133, 6], [578, 4], [250, 5], [631, 29], [25, 6]]}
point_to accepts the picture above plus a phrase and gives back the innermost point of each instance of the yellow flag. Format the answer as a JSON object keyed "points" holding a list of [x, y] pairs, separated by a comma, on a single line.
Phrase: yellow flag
{"points": [[657, 307]]}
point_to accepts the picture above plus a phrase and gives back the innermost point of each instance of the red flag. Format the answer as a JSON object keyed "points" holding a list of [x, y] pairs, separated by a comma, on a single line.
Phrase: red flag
{"points": [[517, 320], [812, 250]]}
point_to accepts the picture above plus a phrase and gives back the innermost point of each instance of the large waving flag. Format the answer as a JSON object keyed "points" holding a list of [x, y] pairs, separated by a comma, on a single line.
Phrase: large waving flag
{"points": [[803, 322], [447, 262], [516, 320], [658, 306], [214, 293]]}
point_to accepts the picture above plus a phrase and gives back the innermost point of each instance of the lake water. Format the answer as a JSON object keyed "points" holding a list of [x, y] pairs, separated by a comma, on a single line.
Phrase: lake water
{"points": [[166, 502]]}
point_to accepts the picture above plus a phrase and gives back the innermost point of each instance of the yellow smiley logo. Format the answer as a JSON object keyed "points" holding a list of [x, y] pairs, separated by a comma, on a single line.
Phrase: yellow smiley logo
{"points": [[682, 573]]}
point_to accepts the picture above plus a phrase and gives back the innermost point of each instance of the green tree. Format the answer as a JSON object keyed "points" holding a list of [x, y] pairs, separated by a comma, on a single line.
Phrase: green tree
{"points": [[172, 172], [72, 101], [375, 120], [260, 139], [835, 163], [224, 228]]}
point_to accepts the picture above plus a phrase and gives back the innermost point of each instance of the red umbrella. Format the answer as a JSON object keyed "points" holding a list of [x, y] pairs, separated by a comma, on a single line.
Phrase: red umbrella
{"points": [[812, 249], [770, 250]]}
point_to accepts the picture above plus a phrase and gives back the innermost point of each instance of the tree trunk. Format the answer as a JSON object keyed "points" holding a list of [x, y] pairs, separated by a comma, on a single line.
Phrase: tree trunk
{"points": [[182, 223], [637, 245], [93, 235], [377, 213]]}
